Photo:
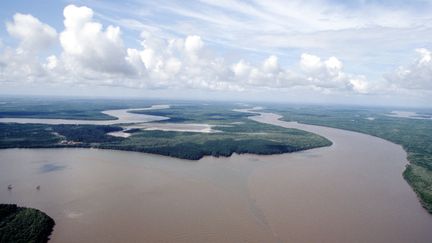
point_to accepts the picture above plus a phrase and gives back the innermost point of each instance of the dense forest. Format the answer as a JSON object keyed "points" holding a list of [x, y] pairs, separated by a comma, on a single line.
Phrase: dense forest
{"points": [[65, 108], [237, 134], [14, 135], [247, 137], [193, 113], [24, 225]]}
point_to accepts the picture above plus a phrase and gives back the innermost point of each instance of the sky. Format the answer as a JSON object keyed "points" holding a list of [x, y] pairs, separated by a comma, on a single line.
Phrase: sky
{"points": [[361, 52]]}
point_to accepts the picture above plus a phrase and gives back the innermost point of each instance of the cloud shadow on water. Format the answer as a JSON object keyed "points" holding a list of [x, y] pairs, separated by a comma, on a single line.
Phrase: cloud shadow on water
{"points": [[51, 167]]}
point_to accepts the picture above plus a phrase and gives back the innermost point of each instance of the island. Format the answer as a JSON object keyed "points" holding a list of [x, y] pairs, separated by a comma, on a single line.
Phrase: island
{"points": [[231, 132], [20, 224]]}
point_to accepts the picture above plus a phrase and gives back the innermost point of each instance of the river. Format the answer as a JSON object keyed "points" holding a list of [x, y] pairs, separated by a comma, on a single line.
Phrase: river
{"points": [[352, 191]]}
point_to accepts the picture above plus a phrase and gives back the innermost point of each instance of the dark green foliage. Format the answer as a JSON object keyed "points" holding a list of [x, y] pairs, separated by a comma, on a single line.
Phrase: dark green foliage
{"points": [[196, 113], [87, 133], [238, 134], [62, 108], [415, 135], [14, 135], [45, 108], [27, 136], [421, 180], [26, 225], [246, 137]]}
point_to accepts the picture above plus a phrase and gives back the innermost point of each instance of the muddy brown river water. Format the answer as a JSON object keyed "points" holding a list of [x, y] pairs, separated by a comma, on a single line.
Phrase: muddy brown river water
{"points": [[352, 191]]}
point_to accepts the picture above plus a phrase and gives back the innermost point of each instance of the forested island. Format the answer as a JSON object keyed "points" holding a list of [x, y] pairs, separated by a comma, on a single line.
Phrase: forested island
{"points": [[248, 137], [24, 225], [235, 134]]}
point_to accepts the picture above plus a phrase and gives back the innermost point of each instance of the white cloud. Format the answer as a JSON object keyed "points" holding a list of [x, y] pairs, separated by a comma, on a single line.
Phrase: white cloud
{"points": [[333, 66], [329, 74], [193, 44], [310, 63], [20, 66], [367, 35], [359, 85], [94, 55], [32, 34], [415, 76], [52, 62], [86, 45], [241, 69], [271, 64]]}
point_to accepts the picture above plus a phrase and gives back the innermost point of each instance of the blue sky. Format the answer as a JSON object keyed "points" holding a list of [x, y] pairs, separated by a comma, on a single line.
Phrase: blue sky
{"points": [[362, 52]]}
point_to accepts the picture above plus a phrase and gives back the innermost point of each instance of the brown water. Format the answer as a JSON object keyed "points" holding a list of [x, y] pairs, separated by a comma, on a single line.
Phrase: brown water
{"points": [[352, 191]]}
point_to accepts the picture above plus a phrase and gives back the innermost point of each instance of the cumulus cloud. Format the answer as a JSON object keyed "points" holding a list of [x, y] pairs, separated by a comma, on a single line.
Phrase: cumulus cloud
{"points": [[193, 44], [92, 54], [241, 69], [329, 74], [271, 64], [86, 45], [417, 75], [19, 66], [32, 33], [22, 63]]}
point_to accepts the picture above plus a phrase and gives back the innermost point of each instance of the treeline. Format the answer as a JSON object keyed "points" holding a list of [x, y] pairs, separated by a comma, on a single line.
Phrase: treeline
{"points": [[87, 133], [13, 135], [24, 225], [197, 113], [27, 136], [225, 148], [246, 137], [194, 146]]}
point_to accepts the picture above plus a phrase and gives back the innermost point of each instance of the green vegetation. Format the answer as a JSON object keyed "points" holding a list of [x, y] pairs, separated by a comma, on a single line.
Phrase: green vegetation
{"points": [[14, 135], [237, 135], [415, 135], [193, 113], [247, 137], [82, 109], [24, 225], [27, 136]]}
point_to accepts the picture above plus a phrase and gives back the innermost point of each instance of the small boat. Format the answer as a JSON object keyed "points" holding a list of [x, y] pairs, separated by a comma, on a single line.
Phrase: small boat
{"points": [[38, 187], [9, 187]]}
